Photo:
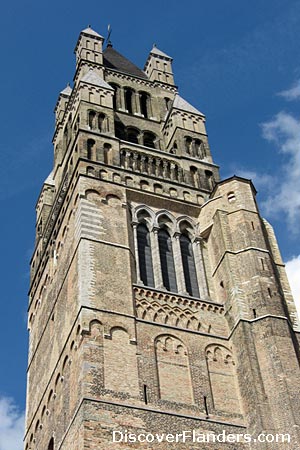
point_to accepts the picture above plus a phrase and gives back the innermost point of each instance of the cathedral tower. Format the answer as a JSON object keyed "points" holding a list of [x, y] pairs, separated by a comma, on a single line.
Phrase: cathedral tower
{"points": [[158, 301]]}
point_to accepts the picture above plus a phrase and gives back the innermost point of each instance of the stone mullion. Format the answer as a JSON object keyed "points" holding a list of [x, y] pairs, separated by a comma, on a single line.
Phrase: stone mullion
{"points": [[137, 104], [137, 261], [149, 107], [178, 264], [158, 280], [121, 92], [200, 270]]}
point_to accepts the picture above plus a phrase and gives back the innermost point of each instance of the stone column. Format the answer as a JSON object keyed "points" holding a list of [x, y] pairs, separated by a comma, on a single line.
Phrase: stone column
{"points": [[143, 164], [158, 280], [178, 264], [173, 174], [200, 270], [137, 104], [135, 161], [137, 262], [149, 107], [121, 104]]}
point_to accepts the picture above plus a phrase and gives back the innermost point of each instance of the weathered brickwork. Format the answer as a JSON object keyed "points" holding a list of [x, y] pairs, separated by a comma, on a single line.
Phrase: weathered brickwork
{"points": [[158, 301]]}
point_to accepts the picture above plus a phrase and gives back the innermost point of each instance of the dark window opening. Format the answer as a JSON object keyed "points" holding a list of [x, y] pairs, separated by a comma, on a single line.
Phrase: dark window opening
{"points": [[145, 256], [149, 139], [119, 130], [51, 444], [92, 116], [128, 100], [132, 135], [167, 260], [91, 149], [115, 88], [144, 104], [101, 123], [189, 268]]}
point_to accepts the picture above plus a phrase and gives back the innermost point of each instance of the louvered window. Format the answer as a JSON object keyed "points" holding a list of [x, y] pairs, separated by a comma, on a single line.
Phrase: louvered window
{"points": [[189, 267], [167, 260], [145, 257]]}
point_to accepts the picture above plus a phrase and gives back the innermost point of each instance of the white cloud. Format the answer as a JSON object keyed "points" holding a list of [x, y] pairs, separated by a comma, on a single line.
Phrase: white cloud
{"points": [[259, 180], [293, 273], [11, 425], [293, 93], [284, 131]]}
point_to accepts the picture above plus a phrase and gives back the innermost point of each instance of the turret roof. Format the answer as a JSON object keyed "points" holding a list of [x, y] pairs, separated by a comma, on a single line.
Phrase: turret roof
{"points": [[91, 77], [156, 51], [91, 32], [114, 60], [182, 104], [67, 90]]}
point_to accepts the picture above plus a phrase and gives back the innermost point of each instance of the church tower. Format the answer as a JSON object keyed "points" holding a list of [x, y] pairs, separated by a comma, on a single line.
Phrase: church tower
{"points": [[158, 300]]}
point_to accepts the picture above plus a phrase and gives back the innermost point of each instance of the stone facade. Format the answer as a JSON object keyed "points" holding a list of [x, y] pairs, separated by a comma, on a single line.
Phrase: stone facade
{"points": [[158, 300]]}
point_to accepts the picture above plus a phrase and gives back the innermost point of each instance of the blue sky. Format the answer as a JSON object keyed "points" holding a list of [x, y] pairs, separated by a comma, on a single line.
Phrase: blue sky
{"points": [[236, 61]]}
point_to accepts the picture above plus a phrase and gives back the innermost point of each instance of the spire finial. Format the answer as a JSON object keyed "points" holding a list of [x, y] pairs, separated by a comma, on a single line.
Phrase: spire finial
{"points": [[109, 30]]}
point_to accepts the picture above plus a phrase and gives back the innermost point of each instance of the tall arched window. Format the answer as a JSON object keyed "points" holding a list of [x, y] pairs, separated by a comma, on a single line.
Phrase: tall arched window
{"points": [[101, 122], [116, 95], [128, 99], [91, 149], [167, 260], [92, 116], [144, 104], [189, 268], [145, 256]]}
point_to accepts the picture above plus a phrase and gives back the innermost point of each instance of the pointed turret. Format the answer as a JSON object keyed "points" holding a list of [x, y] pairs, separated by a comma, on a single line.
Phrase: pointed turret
{"points": [[89, 47], [158, 66], [61, 103]]}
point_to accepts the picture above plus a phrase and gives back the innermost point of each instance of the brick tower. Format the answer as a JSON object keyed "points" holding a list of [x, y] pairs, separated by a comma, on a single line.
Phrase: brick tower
{"points": [[158, 301]]}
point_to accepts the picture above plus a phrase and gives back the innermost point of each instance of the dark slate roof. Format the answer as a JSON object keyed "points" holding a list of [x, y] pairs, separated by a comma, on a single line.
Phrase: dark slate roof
{"points": [[114, 60]]}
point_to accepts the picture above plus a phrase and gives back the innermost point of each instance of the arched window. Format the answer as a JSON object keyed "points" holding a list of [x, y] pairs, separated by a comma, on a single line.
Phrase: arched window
{"points": [[91, 149], [145, 104], [189, 268], [92, 116], [209, 179], [132, 135], [101, 122], [198, 148], [194, 176], [145, 256], [168, 103], [128, 99], [116, 94], [149, 139], [188, 145], [107, 154], [167, 260]]}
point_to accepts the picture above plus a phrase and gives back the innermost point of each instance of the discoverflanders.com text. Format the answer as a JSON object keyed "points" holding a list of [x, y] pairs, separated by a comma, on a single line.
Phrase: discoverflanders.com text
{"points": [[198, 437]]}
